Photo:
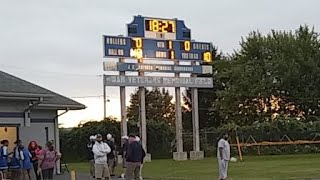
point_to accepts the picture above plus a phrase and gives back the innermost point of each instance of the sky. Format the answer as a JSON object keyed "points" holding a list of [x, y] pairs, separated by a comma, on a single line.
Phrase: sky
{"points": [[58, 44]]}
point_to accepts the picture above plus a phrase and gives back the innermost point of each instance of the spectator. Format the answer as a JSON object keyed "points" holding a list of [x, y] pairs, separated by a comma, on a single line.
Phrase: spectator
{"points": [[15, 163], [4, 156], [47, 161], [100, 151], [142, 159], [33, 149], [223, 154], [123, 153], [91, 155], [135, 154], [112, 155], [26, 162]]}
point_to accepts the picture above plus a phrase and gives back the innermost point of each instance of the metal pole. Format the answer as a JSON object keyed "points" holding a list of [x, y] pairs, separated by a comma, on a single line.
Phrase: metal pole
{"points": [[142, 92], [195, 116], [104, 98], [124, 129], [178, 116]]}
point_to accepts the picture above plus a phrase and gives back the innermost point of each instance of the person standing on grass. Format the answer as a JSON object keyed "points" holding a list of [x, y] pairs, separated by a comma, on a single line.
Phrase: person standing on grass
{"points": [[143, 155], [91, 155], [123, 153], [223, 154], [100, 151], [112, 155], [134, 156]]}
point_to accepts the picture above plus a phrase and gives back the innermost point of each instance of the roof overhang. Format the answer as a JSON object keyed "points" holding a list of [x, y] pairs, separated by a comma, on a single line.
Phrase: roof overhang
{"points": [[60, 107], [23, 95]]}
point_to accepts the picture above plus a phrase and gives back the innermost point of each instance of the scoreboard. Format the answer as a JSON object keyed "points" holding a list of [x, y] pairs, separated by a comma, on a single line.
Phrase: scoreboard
{"points": [[154, 38]]}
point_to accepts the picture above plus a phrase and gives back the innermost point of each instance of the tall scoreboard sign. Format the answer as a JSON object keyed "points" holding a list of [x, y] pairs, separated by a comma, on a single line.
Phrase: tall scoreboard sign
{"points": [[158, 39], [153, 38]]}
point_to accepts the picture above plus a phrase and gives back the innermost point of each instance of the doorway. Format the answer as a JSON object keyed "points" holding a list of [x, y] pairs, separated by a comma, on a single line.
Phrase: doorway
{"points": [[10, 134]]}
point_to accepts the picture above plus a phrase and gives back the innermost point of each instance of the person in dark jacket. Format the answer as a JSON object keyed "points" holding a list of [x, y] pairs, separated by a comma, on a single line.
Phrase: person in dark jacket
{"points": [[91, 155], [134, 156], [112, 155], [123, 152]]}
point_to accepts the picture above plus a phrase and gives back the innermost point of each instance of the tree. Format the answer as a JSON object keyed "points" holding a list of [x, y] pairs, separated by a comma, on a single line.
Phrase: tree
{"points": [[208, 117], [159, 106], [276, 75]]}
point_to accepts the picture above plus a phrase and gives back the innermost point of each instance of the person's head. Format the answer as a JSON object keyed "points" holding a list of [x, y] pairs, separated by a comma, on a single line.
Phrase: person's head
{"points": [[33, 145], [5, 142], [18, 142], [92, 138], [225, 136], [99, 138], [50, 145], [138, 139], [132, 138], [124, 139], [109, 137]]}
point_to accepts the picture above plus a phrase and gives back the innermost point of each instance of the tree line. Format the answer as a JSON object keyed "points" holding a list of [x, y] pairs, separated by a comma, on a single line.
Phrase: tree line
{"points": [[272, 78]]}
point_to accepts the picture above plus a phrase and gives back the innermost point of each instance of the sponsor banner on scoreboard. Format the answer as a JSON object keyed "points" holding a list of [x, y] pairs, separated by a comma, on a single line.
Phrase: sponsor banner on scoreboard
{"points": [[120, 66], [152, 81]]}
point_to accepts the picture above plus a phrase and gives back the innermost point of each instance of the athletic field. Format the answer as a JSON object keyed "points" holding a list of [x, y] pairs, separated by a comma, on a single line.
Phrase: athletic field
{"points": [[254, 167]]}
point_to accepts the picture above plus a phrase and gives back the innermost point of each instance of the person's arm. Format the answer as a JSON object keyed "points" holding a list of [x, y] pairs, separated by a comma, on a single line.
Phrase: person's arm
{"points": [[21, 155], [220, 147], [40, 159], [5, 151], [107, 148], [129, 152], [97, 152]]}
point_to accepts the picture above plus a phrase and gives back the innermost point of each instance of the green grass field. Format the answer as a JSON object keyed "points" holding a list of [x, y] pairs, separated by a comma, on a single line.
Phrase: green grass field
{"points": [[253, 167]]}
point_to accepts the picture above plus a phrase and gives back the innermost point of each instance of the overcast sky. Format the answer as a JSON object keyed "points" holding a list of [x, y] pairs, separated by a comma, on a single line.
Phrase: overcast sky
{"points": [[58, 44]]}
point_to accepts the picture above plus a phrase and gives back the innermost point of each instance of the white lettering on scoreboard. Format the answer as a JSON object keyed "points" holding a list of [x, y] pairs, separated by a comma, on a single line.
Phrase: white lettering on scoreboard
{"points": [[116, 41], [116, 52], [152, 81], [190, 56]]}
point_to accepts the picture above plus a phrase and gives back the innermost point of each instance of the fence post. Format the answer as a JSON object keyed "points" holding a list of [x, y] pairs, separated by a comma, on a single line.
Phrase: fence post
{"points": [[73, 175]]}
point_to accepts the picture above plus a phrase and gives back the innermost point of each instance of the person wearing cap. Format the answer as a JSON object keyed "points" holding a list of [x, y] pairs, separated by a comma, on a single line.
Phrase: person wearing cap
{"points": [[112, 155], [92, 140], [123, 152], [101, 150], [135, 154]]}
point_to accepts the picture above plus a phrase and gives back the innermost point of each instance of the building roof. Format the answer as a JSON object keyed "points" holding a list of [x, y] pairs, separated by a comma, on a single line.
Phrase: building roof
{"points": [[14, 87]]}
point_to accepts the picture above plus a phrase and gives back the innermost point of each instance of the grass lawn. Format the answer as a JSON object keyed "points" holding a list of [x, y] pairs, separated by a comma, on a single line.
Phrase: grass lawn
{"points": [[253, 167]]}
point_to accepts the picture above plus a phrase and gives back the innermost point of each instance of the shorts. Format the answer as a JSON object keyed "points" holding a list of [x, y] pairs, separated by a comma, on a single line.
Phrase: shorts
{"points": [[111, 162], [101, 171], [124, 163]]}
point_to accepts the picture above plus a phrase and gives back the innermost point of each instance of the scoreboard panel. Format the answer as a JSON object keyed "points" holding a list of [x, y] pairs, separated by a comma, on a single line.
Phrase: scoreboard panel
{"points": [[128, 47], [155, 38]]}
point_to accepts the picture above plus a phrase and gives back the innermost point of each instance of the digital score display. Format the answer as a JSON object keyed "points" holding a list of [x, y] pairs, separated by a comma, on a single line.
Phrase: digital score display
{"points": [[142, 48], [161, 26]]}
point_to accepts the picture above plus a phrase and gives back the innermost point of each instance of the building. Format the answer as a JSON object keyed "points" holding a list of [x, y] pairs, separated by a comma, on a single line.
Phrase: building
{"points": [[29, 112]]}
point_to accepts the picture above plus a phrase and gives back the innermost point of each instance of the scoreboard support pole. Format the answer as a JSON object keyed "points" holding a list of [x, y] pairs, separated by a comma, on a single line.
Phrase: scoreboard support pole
{"points": [[196, 154], [143, 119], [179, 155], [124, 128]]}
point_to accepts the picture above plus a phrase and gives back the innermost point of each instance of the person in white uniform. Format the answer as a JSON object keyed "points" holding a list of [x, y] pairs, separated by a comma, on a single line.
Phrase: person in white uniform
{"points": [[223, 154]]}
